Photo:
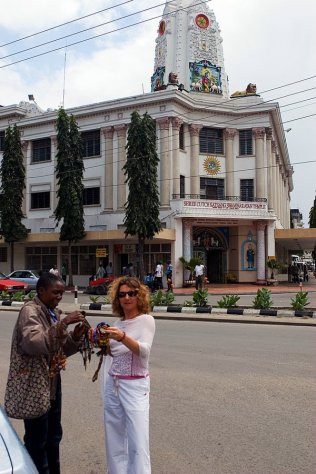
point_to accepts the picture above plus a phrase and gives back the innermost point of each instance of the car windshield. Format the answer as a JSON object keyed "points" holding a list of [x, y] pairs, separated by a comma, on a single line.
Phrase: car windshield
{"points": [[3, 276]]}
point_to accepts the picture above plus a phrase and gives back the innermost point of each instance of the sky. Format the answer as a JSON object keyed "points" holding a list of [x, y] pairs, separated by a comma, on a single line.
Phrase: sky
{"points": [[270, 43]]}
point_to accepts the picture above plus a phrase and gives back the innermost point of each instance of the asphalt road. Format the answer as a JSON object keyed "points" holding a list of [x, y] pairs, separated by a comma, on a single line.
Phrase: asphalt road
{"points": [[226, 399]]}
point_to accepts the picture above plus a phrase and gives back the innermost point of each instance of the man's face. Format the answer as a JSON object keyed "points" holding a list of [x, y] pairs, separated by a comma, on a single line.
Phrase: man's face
{"points": [[52, 295]]}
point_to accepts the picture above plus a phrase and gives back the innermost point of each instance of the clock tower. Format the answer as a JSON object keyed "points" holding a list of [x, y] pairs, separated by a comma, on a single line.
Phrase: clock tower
{"points": [[189, 50]]}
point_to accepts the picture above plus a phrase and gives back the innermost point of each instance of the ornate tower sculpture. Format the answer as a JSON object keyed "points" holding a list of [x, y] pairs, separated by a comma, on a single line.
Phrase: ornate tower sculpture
{"points": [[189, 50]]}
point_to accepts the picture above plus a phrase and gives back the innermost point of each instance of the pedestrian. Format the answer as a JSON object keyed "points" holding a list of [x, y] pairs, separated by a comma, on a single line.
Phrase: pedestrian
{"points": [[127, 383], [109, 269], [199, 274], [54, 270], [130, 270], [40, 345], [169, 276], [158, 276], [64, 273], [101, 271], [149, 281], [305, 272]]}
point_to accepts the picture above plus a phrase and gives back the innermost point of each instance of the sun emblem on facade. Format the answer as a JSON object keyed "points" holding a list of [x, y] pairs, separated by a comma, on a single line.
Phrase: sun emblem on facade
{"points": [[212, 165]]}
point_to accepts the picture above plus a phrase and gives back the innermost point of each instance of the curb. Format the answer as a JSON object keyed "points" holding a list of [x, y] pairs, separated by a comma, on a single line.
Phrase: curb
{"points": [[209, 310]]}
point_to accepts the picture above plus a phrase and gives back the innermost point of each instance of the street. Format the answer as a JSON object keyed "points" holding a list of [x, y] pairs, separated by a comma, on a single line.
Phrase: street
{"points": [[225, 399]]}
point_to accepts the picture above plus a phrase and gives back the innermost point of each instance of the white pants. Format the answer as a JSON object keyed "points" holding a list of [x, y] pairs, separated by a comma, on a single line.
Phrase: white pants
{"points": [[126, 415]]}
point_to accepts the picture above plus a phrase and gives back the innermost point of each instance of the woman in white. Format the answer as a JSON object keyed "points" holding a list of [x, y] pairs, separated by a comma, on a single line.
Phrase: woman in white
{"points": [[126, 397]]}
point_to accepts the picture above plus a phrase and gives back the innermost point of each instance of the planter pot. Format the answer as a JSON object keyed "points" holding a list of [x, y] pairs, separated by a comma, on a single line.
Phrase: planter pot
{"points": [[95, 306], [203, 309], [6, 303], [235, 311], [174, 309], [268, 312], [303, 313]]}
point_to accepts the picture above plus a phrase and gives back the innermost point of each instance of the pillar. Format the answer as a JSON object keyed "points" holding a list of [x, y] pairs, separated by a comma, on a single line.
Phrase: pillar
{"points": [[53, 193], [260, 165], [270, 168], [164, 162], [229, 135], [261, 257], [187, 240], [176, 124], [121, 186], [274, 170], [194, 160], [108, 133], [25, 145]]}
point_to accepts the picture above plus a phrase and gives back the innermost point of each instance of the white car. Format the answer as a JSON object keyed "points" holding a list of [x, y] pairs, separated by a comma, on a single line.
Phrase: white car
{"points": [[30, 277], [14, 458]]}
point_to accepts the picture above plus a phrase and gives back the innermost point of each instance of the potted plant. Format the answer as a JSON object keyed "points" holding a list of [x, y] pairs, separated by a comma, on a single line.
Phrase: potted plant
{"points": [[273, 264], [189, 265]]}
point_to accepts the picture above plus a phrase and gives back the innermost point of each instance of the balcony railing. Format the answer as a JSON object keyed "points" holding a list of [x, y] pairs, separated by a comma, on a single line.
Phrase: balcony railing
{"points": [[222, 198]]}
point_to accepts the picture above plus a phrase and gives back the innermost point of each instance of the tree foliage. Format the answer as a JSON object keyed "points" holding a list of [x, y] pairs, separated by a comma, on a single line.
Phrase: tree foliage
{"points": [[141, 171], [69, 173], [12, 173], [312, 215]]}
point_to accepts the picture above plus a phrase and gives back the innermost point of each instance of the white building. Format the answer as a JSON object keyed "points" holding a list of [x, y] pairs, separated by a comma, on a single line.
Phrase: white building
{"points": [[224, 174]]}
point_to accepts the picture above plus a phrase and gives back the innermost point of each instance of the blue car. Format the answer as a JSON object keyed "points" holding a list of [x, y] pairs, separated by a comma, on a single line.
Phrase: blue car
{"points": [[14, 459], [30, 277]]}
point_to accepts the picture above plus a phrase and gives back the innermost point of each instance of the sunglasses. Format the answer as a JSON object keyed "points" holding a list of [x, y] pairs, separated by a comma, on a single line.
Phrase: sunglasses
{"points": [[122, 294]]}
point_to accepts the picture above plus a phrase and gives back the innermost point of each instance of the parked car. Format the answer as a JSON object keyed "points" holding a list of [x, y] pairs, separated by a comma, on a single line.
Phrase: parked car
{"points": [[26, 276], [14, 458], [11, 286], [99, 286]]}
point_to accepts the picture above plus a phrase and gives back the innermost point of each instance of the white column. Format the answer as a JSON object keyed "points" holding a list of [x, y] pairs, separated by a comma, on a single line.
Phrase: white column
{"points": [[194, 161], [274, 185], [229, 134], [270, 168], [164, 162], [277, 186], [261, 257], [260, 169], [121, 186], [108, 133], [270, 239], [176, 124], [187, 240]]}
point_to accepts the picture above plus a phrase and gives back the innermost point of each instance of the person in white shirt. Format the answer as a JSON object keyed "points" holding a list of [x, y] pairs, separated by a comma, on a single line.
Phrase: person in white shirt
{"points": [[158, 276], [54, 270], [199, 274], [126, 382]]}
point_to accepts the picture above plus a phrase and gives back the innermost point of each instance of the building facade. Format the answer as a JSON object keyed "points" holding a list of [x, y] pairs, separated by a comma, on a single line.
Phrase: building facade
{"points": [[224, 175]]}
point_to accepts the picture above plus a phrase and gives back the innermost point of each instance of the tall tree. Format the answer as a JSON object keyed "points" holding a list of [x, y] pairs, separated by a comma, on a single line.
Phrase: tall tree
{"points": [[69, 173], [312, 215], [12, 173], [141, 171]]}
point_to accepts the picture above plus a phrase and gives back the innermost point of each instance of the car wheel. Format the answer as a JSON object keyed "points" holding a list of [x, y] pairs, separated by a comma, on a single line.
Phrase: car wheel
{"points": [[100, 290]]}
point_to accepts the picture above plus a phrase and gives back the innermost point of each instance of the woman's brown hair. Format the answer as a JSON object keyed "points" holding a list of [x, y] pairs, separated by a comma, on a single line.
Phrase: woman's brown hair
{"points": [[143, 300]]}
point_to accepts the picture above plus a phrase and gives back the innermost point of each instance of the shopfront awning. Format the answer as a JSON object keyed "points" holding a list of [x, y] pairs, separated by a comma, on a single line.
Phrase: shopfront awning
{"points": [[296, 239]]}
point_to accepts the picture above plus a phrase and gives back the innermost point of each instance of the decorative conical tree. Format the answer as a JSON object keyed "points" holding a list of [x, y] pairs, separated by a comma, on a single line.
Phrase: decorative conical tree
{"points": [[12, 173], [141, 171], [312, 215], [69, 173]]}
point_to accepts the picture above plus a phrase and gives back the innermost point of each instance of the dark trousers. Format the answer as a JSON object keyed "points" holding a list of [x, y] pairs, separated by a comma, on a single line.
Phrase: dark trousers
{"points": [[198, 282], [43, 435]]}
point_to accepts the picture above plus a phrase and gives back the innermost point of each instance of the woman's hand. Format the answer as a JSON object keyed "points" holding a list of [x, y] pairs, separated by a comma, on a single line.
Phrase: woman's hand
{"points": [[115, 333]]}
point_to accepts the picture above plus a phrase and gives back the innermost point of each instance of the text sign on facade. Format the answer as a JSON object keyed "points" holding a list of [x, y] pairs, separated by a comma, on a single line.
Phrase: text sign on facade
{"points": [[129, 248], [225, 205], [101, 253]]}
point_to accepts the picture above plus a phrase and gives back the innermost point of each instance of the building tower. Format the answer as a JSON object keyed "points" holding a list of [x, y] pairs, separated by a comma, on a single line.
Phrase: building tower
{"points": [[189, 50]]}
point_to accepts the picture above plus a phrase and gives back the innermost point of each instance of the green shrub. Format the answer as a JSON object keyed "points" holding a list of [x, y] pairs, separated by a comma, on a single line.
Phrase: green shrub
{"points": [[18, 296], [159, 298], [5, 296], [263, 299], [300, 301], [94, 298], [30, 295], [228, 301], [188, 303], [200, 297]]}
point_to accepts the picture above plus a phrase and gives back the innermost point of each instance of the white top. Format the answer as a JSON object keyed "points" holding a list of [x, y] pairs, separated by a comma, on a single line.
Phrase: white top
{"points": [[199, 270], [159, 270], [142, 329]]}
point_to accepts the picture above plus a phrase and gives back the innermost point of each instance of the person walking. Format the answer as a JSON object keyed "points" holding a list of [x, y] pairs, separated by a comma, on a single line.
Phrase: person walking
{"points": [[109, 269], [169, 276], [101, 271], [126, 382], [40, 344], [54, 270], [64, 273], [158, 276], [199, 274]]}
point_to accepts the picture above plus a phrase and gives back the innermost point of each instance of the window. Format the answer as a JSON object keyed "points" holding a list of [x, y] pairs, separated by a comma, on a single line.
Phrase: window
{"points": [[212, 188], [41, 150], [182, 186], [91, 196], [245, 142], [211, 140], [246, 190], [40, 258], [91, 143], [181, 137], [3, 254], [40, 200], [2, 135]]}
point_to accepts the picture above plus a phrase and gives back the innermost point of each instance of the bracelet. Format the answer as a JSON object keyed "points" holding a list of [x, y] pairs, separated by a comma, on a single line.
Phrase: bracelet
{"points": [[122, 338]]}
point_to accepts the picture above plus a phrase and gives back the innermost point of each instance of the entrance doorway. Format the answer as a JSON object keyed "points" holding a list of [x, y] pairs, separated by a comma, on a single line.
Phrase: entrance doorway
{"points": [[214, 266]]}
